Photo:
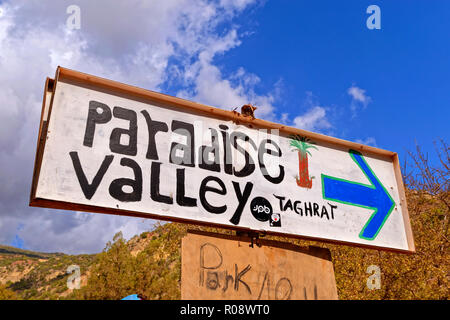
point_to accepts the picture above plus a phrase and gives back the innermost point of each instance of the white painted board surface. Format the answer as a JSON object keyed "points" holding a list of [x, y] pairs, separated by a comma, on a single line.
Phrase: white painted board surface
{"points": [[286, 198]]}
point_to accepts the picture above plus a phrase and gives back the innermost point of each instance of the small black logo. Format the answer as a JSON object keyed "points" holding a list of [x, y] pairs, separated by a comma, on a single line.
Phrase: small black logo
{"points": [[261, 209], [275, 220]]}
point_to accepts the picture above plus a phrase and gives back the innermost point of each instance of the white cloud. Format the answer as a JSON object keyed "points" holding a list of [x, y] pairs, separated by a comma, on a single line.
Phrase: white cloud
{"points": [[144, 43], [235, 4], [77, 232], [209, 86], [313, 120], [359, 98], [357, 94]]}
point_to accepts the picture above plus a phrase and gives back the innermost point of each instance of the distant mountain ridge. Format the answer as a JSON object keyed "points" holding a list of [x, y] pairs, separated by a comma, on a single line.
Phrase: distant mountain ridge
{"points": [[39, 275], [5, 250]]}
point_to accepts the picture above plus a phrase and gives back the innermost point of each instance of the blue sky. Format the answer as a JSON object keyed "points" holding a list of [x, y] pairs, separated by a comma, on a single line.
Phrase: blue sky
{"points": [[324, 47], [310, 64], [320, 49]]}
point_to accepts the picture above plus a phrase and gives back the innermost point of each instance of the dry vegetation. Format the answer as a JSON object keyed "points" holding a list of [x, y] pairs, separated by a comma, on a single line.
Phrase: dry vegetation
{"points": [[149, 264]]}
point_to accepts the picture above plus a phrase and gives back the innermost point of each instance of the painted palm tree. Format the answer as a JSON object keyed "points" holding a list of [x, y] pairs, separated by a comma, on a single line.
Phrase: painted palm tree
{"points": [[301, 145]]}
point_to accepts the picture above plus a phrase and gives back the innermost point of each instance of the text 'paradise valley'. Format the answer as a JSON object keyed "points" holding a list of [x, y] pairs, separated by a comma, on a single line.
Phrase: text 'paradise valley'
{"points": [[216, 158]]}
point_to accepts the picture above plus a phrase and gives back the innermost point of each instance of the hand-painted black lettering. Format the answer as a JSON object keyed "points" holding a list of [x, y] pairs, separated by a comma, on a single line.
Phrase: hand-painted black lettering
{"points": [[281, 198], [242, 199], [288, 205], [89, 189], [308, 208], [153, 128], [154, 185], [262, 166], [205, 151], [204, 188], [332, 210], [115, 144], [188, 149], [98, 113], [324, 212], [298, 208], [316, 209], [116, 188], [249, 166], [182, 200], [227, 155]]}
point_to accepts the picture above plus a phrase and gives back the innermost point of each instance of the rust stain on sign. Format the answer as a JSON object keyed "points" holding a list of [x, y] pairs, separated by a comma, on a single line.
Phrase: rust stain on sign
{"points": [[216, 266]]}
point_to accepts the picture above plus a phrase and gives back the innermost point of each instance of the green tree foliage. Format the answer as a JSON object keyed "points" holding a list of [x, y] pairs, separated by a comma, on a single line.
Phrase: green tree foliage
{"points": [[154, 272], [113, 272], [302, 144], [45, 278], [422, 275], [7, 294]]}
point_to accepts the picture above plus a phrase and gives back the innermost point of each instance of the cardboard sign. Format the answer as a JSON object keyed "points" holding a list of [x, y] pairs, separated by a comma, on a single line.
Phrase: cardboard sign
{"points": [[222, 267], [113, 148]]}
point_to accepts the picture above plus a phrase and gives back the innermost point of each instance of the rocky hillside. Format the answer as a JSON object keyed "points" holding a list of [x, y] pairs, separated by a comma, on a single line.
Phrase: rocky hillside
{"points": [[35, 275], [150, 264]]}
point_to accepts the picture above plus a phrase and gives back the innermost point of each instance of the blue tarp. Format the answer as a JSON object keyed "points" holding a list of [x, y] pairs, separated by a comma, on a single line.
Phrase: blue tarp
{"points": [[132, 297]]}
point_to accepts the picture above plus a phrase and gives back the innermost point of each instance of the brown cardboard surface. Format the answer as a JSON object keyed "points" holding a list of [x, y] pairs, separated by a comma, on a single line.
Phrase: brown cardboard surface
{"points": [[218, 266]]}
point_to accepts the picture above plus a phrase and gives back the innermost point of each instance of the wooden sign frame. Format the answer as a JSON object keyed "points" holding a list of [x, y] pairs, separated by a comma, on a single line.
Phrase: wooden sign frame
{"points": [[132, 92]]}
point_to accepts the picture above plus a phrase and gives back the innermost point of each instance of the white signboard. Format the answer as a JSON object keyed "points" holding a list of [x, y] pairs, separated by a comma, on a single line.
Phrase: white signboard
{"points": [[111, 148]]}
